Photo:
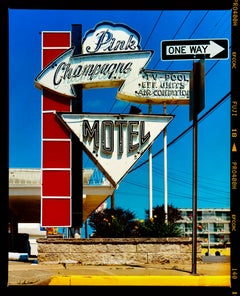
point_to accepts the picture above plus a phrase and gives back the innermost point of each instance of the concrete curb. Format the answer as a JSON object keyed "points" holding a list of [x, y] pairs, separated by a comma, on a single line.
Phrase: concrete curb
{"points": [[90, 280]]}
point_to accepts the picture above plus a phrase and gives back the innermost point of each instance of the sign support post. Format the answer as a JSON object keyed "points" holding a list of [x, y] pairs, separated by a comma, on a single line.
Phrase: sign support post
{"points": [[197, 99], [150, 172], [194, 200], [76, 144], [165, 169]]}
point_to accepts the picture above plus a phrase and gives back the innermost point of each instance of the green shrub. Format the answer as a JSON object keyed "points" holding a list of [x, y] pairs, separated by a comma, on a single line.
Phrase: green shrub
{"points": [[149, 228], [157, 226], [112, 223]]}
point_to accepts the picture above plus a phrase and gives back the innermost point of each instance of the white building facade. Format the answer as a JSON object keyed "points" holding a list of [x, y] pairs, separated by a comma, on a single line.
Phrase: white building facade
{"points": [[213, 226]]}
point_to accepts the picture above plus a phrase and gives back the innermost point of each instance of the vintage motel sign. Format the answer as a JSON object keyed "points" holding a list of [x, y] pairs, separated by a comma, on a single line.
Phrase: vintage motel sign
{"points": [[115, 141], [112, 57]]}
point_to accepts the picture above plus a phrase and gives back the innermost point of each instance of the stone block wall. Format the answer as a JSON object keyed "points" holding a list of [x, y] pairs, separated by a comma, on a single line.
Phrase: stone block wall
{"points": [[116, 251]]}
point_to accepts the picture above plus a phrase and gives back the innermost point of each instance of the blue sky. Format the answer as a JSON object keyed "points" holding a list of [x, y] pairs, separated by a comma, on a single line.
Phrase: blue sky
{"points": [[153, 26]]}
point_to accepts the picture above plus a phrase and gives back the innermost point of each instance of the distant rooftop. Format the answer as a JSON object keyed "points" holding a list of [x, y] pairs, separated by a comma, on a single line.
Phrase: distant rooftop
{"points": [[25, 176], [31, 176]]}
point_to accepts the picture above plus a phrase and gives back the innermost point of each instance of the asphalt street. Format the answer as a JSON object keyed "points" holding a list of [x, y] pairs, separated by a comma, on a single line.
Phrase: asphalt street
{"points": [[33, 273]]}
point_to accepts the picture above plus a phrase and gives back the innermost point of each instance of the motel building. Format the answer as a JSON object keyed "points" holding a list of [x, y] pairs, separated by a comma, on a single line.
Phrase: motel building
{"points": [[25, 212], [25, 206]]}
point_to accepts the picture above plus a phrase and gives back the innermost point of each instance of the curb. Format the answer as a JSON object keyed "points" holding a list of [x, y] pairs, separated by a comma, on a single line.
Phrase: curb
{"points": [[95, 280]]}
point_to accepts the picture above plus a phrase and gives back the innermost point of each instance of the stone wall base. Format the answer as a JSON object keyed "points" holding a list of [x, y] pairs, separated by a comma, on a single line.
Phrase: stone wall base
{"points": [[116, 251]]}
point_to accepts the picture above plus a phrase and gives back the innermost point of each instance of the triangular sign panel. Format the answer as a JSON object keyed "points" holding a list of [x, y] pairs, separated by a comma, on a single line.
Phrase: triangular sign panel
{"points": [[115, 142]]}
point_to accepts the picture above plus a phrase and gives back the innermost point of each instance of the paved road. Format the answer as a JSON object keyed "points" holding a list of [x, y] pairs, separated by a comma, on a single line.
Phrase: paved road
{"points": [[30, 273]]}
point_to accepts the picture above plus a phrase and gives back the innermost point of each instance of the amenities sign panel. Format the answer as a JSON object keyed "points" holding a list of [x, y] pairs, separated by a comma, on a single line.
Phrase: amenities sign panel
{"points": [[157, 87]]}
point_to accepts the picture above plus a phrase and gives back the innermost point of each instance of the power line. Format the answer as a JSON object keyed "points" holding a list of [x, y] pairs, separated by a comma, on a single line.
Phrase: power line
{"points": [[186, 130], [174, 36], [153, 29]]}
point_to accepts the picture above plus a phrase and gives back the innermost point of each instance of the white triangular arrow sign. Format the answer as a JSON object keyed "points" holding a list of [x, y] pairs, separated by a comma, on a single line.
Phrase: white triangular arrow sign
{"points": [[115, 142]]}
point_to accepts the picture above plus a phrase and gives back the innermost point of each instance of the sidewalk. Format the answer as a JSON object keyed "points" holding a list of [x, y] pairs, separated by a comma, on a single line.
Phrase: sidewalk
{"points": [[67, 274]]}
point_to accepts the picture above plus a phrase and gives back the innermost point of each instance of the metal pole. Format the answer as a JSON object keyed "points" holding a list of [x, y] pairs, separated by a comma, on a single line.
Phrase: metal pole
{"points": [[86, 229], [76, 146], [194, 205], [150, 171], [112, 201], [165, 169], [209, 239], [196, 106]]}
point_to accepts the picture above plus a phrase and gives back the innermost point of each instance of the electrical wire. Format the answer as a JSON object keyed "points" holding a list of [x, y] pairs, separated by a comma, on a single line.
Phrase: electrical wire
{"points": [[186, 130]]}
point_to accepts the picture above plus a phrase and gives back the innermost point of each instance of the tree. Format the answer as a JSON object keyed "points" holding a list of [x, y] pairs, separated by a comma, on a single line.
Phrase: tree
{"points": [[159, 214]]}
